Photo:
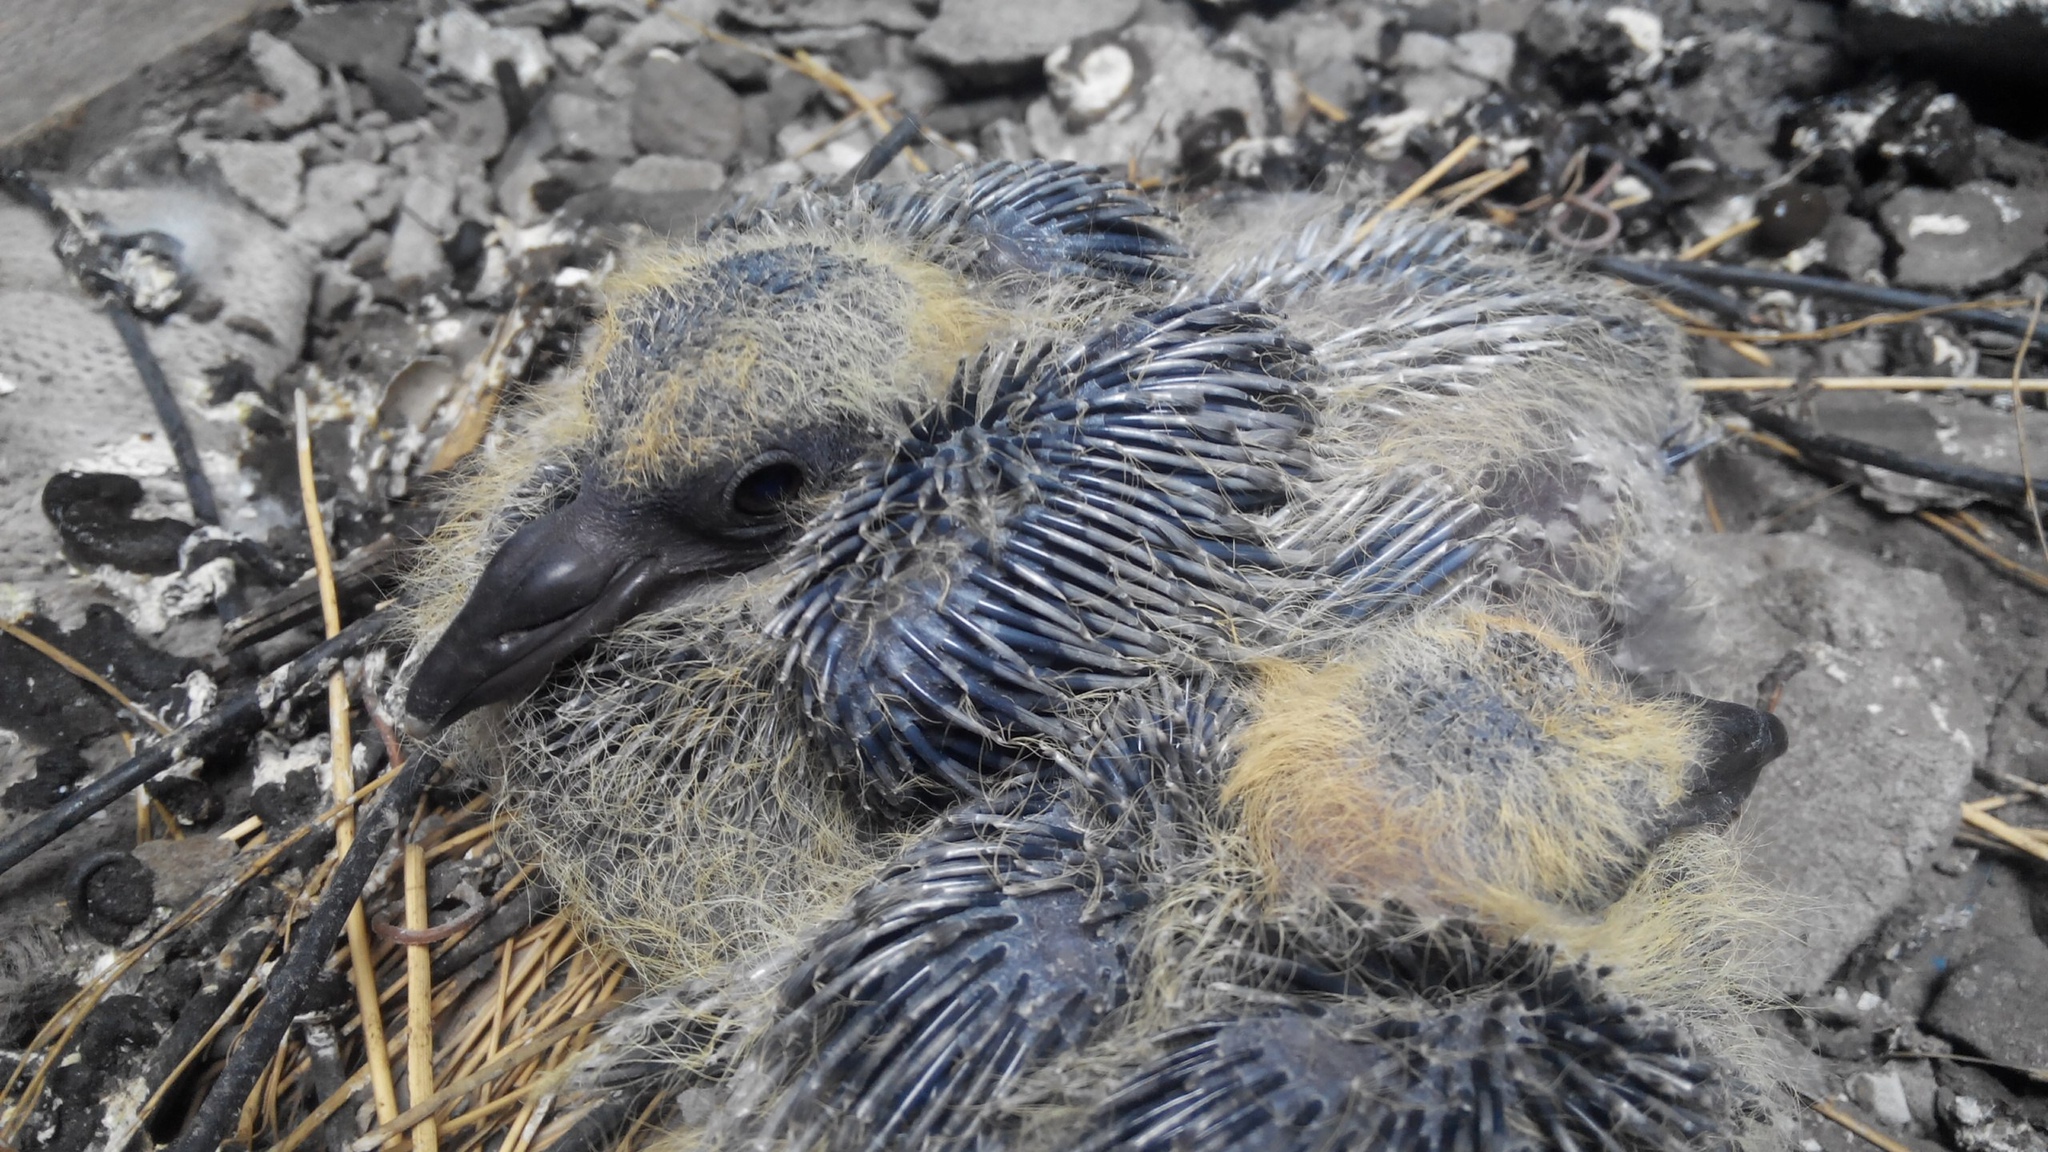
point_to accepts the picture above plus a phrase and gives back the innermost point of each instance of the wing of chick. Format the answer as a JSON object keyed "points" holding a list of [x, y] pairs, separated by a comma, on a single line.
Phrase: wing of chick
{"points": [[660, 773], [1532, 404]]}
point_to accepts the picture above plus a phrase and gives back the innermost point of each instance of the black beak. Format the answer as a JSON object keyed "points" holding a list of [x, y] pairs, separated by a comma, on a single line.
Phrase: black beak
{"points": [[556, 586], [1739, 741]]}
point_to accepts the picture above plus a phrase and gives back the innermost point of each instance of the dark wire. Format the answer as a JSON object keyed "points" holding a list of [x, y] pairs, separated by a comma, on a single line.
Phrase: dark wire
{"points": [[2004, 485], [1684, 291], [1838, 289], [198, 489]]}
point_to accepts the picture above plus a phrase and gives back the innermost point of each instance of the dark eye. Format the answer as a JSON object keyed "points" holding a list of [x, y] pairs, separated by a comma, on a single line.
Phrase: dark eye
{"points": [[766, 485]]}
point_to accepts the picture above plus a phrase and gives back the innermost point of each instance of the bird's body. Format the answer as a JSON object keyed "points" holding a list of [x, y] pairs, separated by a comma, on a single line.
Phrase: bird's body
{"points": [[1013, 683]]}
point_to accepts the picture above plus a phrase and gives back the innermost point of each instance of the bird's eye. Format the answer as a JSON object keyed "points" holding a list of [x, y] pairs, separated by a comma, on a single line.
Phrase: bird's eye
{"points": [[766, 485]]}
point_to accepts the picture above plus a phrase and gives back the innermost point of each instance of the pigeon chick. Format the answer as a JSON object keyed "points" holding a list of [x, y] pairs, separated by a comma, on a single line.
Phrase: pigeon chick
{"points": [[1015, 680]]}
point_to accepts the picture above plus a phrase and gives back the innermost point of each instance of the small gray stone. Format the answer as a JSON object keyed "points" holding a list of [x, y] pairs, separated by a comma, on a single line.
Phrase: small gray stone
{"points": [[680, 109], [1441, 95], [301, 90], [522, 166], [1883, 1095], [1966, 239], [265, 174], [1186, 81], [365, 33], [471, 47], [415, 259], [587, 127], [1422, 52], [669, 174], [1002, 34], [1490, 56], [734, 64], [533, 14], [1853, 247], [184, 868], [575, 52], [901, 16], [427, 216], [339, 198]]}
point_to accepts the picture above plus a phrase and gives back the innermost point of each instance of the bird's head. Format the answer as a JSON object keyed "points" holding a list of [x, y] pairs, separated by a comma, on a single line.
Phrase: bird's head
{"points": [[728, 385]]}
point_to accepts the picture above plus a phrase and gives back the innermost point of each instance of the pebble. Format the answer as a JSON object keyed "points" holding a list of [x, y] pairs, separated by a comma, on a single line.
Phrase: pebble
{"points": [[575, 52], [427, 214], [1090, 76], [471, 47], [1789, 216], [1853, 247], [1967, 239], [1188, 82], [900, 16], [362, 35], [587, 127], [113, 893], [341, 202], [734, 64], [681, 109], [1883, 1095], [1489, 56], [1006, 36], [669, 174]]}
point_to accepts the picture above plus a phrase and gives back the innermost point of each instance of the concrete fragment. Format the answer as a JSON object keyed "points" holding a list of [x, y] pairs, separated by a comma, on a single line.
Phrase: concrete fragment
{"points": [[1967, 239], [1883, 1095], [1490, 56], [301, 90], [900, 16], [681, 109], [427, 216], [588, 127], [341, 202], [1187, 82], [367, 33], [471, 47], [1853, 247], [574, 52], [1886, 721], [265, 174], [669, 174], [1001, 35]]}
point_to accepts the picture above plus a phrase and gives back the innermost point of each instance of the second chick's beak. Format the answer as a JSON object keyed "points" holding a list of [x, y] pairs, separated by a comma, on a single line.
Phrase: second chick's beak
{"points": [[555, 587]]}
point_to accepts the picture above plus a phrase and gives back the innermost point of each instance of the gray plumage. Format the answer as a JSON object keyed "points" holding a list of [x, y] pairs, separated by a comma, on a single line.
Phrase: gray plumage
{"points": [[1010, 682]]}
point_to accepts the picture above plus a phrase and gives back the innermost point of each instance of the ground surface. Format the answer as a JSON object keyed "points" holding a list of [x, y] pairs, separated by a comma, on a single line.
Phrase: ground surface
{"points": [[396, 209]]}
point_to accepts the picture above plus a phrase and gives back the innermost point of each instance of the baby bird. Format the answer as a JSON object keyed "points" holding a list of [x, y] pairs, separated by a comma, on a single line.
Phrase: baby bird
{"points": [[1010, 678]]}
